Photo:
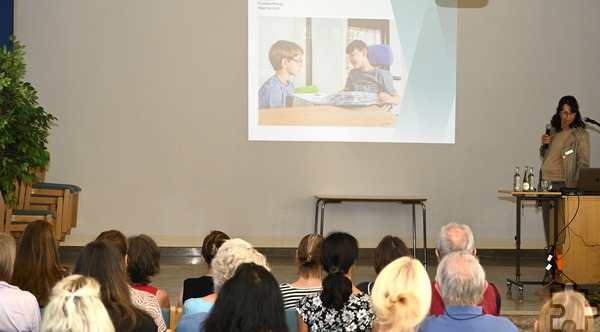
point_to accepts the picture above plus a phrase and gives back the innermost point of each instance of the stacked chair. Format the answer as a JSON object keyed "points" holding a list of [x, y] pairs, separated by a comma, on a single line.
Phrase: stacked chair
{"points": [[14, 220], [54, 202]]}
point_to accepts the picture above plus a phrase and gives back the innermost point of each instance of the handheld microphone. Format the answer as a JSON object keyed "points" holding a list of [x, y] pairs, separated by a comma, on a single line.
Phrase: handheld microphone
{"points": [[586, 119], [548, 127]]}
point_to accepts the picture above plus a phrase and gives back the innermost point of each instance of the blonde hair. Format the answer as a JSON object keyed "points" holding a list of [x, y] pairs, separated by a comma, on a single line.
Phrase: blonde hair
{"points": [[308, 255], [401, 296], [75, 306], [8, 249], [232, 254], [566, 311]]}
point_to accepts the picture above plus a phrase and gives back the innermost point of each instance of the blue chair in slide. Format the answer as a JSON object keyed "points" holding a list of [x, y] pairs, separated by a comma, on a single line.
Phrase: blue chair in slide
{"points": [[382, 57]]}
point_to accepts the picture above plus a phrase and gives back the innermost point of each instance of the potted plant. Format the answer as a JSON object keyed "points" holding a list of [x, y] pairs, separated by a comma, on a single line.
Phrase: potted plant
{"points": [[24, 125]]}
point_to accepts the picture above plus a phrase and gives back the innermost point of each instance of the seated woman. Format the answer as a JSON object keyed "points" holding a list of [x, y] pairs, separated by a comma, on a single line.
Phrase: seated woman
{"points": [[31, 273], [144, 263], [401, 296], [102, 261], [389, 249], [202, 286], [19, 310], [75, 306], [308, 261], [141, 299], [566, 311], [249, 301], [340, 306], [231, 254]]}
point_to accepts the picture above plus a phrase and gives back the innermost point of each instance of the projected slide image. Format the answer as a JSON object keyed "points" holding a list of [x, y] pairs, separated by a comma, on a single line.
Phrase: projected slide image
{"points": [[318, 72]]}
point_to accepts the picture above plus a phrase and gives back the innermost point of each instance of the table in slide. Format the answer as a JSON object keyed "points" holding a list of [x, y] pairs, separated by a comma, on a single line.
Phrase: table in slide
{"points": [[347, 116]]}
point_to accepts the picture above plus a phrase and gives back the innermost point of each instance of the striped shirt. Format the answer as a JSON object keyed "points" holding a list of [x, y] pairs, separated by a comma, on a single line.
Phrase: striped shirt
{"points": [[292, 295]]}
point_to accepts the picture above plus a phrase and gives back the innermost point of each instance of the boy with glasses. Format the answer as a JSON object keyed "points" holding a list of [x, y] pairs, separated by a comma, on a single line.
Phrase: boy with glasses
{"points": [[286, 59]]}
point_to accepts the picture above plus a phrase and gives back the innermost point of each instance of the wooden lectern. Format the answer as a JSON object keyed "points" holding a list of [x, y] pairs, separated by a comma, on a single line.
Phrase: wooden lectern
{"points": [[579, 242]]}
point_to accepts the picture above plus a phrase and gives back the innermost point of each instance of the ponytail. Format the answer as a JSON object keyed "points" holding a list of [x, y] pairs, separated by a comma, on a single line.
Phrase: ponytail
{"points": [[336, 290]]}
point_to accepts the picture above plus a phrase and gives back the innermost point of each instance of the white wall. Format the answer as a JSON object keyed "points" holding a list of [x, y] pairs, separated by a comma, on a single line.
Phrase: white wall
{"points": [[151, 98]]}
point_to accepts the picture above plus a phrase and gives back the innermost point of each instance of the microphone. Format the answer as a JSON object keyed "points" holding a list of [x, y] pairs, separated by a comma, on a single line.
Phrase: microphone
{"points": [[548, 126], [586, 119]]}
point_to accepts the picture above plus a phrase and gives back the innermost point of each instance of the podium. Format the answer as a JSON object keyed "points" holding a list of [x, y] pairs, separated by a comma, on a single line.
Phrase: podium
{"points": [[579, 239]]}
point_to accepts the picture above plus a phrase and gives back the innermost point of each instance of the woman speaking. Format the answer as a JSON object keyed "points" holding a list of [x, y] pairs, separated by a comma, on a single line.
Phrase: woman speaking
{"points": [[565, 150]]}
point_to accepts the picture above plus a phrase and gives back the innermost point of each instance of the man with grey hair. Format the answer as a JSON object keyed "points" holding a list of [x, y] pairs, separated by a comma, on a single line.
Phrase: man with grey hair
{"points": [[455, 238], [461, 283]]}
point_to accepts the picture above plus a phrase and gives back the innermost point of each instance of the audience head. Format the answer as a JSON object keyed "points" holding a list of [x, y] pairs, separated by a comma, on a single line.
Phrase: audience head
{"points": [[248, 301], [460, 279], [37, 265], [338, 256], [231, 254], [117, 239], [212, 243], [143, 259], [101, 260], [566, 311], [8, 249], [389, 249], [75, 306], [308, 255], [401, 296], [454, 237]]}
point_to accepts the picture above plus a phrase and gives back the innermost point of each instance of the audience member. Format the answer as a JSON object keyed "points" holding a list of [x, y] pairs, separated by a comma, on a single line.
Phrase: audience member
{"points": [[461, 283], [37, 264], [389, 249], [143, 300], [401, 296], [75, 306], [144, 263], [459, 237], [102, 261], [340, 306], [19, 309], [202, 286], [231, 254], [308, 261], [248, 302], [566, 311]]}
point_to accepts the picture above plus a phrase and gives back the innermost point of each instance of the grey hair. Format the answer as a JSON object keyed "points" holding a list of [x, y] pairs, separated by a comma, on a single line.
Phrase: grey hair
{"points": [[230, 255], [461, 279], [448, 241]]}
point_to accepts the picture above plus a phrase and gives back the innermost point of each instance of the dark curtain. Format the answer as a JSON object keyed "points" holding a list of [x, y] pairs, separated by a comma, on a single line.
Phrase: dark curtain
{"points": [[7, 10]]}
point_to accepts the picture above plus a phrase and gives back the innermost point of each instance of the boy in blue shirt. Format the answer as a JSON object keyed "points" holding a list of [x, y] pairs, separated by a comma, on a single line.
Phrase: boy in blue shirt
{"points": [[365, 77], [286, 59]]}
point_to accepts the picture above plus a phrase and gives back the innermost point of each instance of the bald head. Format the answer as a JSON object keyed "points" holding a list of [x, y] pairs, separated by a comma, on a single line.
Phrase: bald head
{"points": [[455, 237]]}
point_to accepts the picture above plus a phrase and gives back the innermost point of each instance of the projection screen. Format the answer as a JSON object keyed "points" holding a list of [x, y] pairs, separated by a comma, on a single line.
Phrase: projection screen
{"points": [[305, 85]]}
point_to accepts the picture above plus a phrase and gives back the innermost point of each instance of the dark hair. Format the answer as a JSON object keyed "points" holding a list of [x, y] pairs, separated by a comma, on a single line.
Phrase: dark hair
{"points": [[308, 255], [249, 301], [37, 265], [116, 238], [101, 260], [356, 45], [338, 255], [388, 250], [212, 243], [143, 259], [572, 102]]}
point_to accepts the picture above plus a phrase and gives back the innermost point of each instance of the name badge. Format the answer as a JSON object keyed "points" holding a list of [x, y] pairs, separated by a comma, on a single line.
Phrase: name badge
{"points": [[568, 152]]}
